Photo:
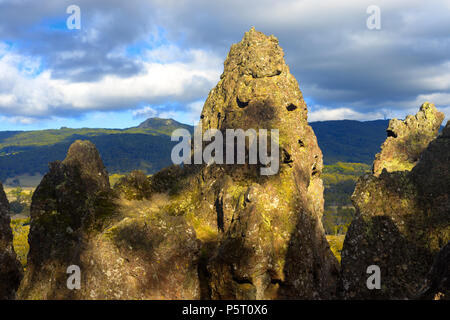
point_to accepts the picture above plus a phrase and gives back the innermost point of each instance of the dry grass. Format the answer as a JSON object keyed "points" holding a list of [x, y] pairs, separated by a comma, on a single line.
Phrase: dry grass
{"points": [[336, 244], [20, 241]]}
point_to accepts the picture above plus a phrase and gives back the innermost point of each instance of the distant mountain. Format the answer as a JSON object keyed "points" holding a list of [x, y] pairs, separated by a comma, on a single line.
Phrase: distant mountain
{"points": [[148, 146], [165, 126]]}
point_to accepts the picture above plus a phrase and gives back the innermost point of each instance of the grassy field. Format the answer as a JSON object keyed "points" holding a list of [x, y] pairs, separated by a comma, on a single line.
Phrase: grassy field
{"points": [[336, 243], [20, 229]]}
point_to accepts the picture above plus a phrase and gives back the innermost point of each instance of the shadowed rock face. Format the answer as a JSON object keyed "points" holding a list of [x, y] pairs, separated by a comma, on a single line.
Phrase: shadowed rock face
{"points": [[402, 221], [271, 242], [10, 268], [408, 139], [197, 231], [65, 206], [261, 236], [123, 251], [437, 284]]}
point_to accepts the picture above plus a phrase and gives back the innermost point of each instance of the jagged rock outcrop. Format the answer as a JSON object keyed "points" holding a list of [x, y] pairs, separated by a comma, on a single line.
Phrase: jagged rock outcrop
{"points": [[123, 250], [65, 206], [262, 234], [402, 218], [10, 268], [437, 284], [407, 139], [198, 231]]}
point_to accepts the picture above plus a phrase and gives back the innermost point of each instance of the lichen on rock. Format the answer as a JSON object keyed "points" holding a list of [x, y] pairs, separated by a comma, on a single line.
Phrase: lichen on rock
{"points": [[207, 231], [125, 249], [271, 241], [408, 139], [402, 217], [135, 186]]}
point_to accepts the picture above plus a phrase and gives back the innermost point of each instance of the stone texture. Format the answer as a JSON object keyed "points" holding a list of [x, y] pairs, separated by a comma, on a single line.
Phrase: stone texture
{"points": [[197, 231], [266, 233], [66, 205], [10, 268], [125, 249], [402, 221], [437, 283], [407, 139]]}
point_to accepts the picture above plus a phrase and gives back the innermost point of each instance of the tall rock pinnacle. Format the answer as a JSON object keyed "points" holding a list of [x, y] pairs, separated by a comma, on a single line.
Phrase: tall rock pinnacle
{"points": [[65, 206], [220, 231], [273, 244]]}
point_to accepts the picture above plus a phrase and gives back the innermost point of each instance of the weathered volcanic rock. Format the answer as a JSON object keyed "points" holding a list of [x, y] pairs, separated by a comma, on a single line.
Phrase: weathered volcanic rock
{"points": [[10, 268], [200, 231], [123, 250], [407, 139], [437, 284], [65, 205], [402, 221], [262, 235]]}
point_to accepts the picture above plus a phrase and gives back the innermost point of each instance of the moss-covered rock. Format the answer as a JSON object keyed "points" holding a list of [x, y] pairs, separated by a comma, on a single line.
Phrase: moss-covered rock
{"points": [[198, 231], [402, 221], [408, 139], [437, 283], [125, 249], [270, 241], [11, 271]]}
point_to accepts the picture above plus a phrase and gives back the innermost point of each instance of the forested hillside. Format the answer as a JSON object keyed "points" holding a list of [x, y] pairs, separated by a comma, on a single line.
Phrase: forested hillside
{"points": [[349, 140], [144, 147], [147, 146]]}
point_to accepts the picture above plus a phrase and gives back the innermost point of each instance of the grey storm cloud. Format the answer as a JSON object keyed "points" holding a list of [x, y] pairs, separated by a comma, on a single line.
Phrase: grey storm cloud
{"points": [[337, 60]]}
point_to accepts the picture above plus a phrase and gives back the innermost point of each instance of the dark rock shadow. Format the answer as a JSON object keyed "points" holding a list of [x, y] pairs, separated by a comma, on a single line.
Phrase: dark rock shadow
{"points": [[377, 241]]}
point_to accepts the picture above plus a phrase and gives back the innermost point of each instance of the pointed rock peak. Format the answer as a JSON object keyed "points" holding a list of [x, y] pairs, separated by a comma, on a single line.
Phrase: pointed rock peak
{"points": [[256, 90], [85, 155], [428, 120], [82, 151], [408, 139], [256, 55], [427, 109]]}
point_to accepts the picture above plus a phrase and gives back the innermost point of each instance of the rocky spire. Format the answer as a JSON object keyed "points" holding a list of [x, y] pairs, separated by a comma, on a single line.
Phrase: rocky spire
{"points": [[407, 139], [402, 217], [273, 243], [208, 231], [124, 250], [10, 268], [68, 203]]}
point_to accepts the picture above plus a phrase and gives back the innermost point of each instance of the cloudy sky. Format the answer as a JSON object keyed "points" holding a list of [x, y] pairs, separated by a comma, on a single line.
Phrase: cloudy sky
{"points": [[140, 58]]}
